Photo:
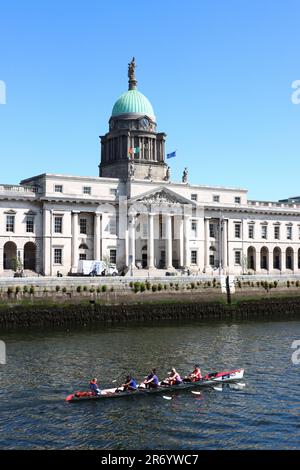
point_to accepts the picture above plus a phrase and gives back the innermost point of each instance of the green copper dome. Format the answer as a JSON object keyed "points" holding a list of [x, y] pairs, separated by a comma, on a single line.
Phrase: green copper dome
{"points": [[132, 101]]}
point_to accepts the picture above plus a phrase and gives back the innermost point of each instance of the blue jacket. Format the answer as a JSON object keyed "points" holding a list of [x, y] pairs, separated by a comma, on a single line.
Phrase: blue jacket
{"points": [[94, 388]]}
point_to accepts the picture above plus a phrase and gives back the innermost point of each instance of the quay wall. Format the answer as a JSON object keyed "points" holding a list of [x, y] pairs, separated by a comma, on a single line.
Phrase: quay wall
{"points": [[88, 313]]}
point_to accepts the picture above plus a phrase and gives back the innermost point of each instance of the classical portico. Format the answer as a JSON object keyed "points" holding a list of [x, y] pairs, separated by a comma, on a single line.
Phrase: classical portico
{"points": [[159, 231]]}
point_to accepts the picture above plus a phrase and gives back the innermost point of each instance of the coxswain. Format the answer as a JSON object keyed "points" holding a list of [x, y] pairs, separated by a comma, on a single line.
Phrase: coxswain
{"points": [[130, 384], [173, 379], [93, 386], [151, 380], [195, 376]]}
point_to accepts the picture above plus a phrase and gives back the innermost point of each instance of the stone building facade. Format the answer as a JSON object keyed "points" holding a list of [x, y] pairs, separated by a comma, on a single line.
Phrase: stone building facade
{"points": [[135, 216]]}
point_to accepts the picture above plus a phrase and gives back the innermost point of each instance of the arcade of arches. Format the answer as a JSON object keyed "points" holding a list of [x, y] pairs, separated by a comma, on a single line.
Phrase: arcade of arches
{"points": [[264, 259], [11, 253]]}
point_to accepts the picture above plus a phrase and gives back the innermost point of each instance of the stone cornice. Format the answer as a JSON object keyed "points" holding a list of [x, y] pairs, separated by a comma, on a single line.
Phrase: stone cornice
{"points": [[254, 210], [74, 199]]}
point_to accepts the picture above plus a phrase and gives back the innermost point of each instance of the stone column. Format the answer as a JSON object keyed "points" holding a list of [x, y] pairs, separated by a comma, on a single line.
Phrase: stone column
{"points": [[97, 236], [206, 257], [181, 253], [132, 241], [225, 248], [257, 260], [283, 260], [270, 261], [186, 236], [150, 241], [75, 255], [47, 248], [168, 241]]}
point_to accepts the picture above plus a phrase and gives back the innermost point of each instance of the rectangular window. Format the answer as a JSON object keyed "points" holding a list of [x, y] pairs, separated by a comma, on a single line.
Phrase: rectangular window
{"points": [[237, 230], [194, 228], [251, 231], [237, 200], [57, 256], [30, 224], [289, 232], [162, 228], [10, 223], [264, 232], [82, 256], [58, 188], [211, 260], [277, 232], [57, 224], [216, 198], [83, 226], [112, 226], [145, 230], [237, 257], [113, 256], [194, 197], [87, 190], [211, 230], [194, 257]]}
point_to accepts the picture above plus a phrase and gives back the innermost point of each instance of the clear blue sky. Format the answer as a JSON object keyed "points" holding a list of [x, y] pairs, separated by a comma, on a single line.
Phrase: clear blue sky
{"points": [[218, 74]]}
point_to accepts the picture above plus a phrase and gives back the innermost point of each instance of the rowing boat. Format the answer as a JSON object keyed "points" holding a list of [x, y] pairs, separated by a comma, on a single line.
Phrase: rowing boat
{"points": [[210, 380]]}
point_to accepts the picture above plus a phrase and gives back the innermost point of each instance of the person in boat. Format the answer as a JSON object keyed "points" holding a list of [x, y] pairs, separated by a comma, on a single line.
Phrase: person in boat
{"points": [[130, 384], [151, 380], [195, 376], [173, 379], [94, 388]]}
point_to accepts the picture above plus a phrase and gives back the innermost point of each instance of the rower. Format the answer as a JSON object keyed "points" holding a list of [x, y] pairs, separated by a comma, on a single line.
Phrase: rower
{"points": [[130, 384], [195, 376], [151, 380], [93, 386], [173, 379]]}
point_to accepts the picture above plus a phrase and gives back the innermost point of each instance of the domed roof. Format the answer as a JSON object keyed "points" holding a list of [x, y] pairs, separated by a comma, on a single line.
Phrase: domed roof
{"points": [[132, 101]]}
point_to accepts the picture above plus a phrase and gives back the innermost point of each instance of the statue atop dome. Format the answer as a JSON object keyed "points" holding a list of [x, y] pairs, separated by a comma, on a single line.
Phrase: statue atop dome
{"points": [[131, 69], [131, 75]]}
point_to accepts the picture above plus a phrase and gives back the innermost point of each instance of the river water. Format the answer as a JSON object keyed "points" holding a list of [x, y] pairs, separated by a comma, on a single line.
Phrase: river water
{"points": [[43, 367]]}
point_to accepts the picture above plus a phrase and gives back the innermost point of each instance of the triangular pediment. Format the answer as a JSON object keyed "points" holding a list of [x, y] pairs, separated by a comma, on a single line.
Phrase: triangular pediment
{"points": [[160, 197]]}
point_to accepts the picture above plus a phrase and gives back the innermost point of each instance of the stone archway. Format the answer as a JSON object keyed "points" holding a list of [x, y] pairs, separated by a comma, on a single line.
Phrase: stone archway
{"points": [[9, 254], [289, 258], [144, 256], [277, 258], [84, 252], [30, 256], [264, 258], [251, 256]]}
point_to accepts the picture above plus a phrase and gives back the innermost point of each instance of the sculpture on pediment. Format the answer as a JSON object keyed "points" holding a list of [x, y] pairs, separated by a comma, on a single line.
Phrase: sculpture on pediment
{"points": [[160, 199], [131, 169], [185, 175], [168, 174]]}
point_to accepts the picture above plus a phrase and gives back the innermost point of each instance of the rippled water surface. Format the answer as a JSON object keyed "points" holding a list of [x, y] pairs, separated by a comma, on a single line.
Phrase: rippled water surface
{"points": [[43, 367]]}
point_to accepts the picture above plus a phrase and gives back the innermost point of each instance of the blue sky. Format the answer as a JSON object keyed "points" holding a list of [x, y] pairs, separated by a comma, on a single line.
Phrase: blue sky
{"points": [[218, 74]]}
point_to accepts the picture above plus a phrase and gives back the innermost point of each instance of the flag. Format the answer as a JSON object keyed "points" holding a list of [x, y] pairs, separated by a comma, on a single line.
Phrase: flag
{"points": [[133, 150], [172, 154]]}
